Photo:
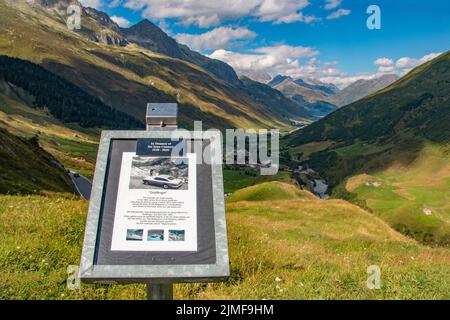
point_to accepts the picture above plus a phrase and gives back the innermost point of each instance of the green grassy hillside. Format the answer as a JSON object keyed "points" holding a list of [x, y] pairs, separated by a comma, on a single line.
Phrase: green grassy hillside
{"points": [[27, 168], [269, 191], [73, 146], [303, 248], [414, 199], [398, 137], [415, 106]]}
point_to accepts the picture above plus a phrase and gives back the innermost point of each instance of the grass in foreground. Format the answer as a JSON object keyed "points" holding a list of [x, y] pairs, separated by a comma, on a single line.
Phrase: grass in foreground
{"points": [[317, 250]]}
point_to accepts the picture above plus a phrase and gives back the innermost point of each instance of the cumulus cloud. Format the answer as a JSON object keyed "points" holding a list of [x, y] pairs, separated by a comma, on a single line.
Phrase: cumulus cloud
{"points": [[332, 4], [294, 61], [406, 64], [122, 22], [218, 38], [339, 13], [208, 13], [384, 62], [285, 11], [92, 3], [385, 66], [303, 62]]}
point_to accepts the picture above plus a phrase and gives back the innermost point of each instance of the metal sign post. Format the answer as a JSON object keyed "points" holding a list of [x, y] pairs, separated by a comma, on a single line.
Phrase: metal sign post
{"points": [[161, 116], [131, 235]]}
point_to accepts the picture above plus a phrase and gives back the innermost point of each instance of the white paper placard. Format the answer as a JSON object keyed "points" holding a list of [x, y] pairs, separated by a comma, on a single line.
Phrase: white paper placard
{"points": [[156, 207]]}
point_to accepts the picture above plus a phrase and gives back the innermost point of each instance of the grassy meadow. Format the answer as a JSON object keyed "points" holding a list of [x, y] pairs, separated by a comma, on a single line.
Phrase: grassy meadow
{"points": [[415, 199], [289, 246]]}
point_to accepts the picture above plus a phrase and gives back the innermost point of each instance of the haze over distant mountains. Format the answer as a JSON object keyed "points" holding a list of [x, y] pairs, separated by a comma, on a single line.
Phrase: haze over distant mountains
{"points": [[313, 94], [363, 88], [391, 125]]}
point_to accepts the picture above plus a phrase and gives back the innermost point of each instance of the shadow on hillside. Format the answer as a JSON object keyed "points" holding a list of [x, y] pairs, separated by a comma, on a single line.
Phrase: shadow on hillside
{"points": [[335, 165], [127, 95]]}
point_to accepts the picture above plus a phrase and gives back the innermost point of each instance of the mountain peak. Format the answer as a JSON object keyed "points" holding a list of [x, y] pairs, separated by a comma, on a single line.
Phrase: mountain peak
{"points": [[150, 36], [146, 28], [278, 79], [145, 22]]}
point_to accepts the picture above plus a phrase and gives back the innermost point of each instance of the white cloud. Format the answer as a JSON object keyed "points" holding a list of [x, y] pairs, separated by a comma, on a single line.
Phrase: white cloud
{"points": [[384, 62], [331, 4], [339, 13], [114, 3], [92, 3], [208, 13], [283, 59], [219, 38], [385, 66], [122, 22], [284, 11], [406, 64]]}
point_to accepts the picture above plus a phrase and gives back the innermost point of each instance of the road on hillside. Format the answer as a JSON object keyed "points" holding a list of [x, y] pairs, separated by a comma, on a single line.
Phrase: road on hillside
{"points": [[82, 184]]}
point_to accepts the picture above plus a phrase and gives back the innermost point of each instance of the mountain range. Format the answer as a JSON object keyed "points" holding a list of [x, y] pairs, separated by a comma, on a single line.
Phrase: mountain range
{"points": [[389, 152], [127, 68], [320, 99], [362, 88], [390, 125]]}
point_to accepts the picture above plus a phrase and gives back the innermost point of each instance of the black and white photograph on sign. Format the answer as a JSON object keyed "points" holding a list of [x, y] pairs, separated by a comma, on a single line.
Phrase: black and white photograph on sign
{"points": [[156, 204], [159, 173]]}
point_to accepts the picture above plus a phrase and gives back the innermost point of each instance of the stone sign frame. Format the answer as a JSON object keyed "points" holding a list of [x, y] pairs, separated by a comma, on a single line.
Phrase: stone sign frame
{"points": [[90, 272]]}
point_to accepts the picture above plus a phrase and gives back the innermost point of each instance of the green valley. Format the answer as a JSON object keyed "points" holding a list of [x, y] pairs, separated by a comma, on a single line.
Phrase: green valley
{"points": [[389, 152]]}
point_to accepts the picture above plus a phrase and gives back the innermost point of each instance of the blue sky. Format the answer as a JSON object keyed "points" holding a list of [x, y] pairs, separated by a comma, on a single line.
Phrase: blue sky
{"points": [[299, 37]]}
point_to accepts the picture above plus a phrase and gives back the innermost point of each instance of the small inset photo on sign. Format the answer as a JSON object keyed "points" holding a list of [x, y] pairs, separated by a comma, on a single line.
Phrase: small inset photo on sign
{"points": [[176, 235], [159, 173], [135, 234], [155, 235]]}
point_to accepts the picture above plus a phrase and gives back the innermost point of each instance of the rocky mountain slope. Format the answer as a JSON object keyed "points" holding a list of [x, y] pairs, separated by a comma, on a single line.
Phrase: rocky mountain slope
{"points": [[124, 75], [320, 99], [312, 95], [311, 91], [363, 88]]}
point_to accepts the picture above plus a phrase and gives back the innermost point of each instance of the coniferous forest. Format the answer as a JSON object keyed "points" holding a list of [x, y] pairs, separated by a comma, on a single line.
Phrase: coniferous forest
{"points": [[64, 100]]}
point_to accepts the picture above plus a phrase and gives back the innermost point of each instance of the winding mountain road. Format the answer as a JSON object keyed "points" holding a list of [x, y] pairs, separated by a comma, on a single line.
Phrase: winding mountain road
{"points": [[82, 184]]}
